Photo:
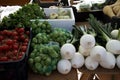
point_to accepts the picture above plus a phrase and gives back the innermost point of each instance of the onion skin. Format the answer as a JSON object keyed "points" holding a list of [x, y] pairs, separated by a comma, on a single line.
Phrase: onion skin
{"points": [[109, 62], [78, 60], [98, 53], [87, 41], [118, 61], [67, 51], [113, 46], [90, 63], [114, 33], [64, 66], [84, 51]]}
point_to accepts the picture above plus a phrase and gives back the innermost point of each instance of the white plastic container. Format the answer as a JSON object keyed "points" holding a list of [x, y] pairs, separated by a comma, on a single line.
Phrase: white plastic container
{"points": [[63, 23]]}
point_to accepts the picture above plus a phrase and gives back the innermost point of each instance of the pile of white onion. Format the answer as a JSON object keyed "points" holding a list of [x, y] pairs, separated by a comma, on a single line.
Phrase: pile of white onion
{"points": [[70, 59], [89, 54], [97, 55]]}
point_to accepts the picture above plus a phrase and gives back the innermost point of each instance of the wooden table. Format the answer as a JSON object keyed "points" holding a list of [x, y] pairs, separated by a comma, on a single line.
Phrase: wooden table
{"points": [[54, 76]]}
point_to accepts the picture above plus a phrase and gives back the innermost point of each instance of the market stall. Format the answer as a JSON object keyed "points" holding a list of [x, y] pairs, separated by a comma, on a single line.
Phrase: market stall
{"points": [[47, 43]]}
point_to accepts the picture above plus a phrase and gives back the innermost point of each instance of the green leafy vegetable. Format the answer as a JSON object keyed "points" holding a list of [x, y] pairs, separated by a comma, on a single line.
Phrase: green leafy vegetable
{"points": [[22, 17]]}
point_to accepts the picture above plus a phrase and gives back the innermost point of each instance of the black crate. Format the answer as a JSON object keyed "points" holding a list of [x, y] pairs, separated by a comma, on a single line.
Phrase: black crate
{"points": [[15, 70], [83, 16], [115, 22]]}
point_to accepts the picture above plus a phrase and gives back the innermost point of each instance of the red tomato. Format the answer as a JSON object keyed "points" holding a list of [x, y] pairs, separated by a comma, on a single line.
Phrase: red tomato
{"points": [[9, 42], [26, 40], [15, 52], [14, 41], [9, 54], [10, 47], [5, 47], [14, 57], [4, 58], [1, 32], [24, 48], [9, 33], [1, 48], [15, 46], [16, 37], [28, 33], [22, 37], [21, 30], [14, 33], [5, 32], [21, 53], [25, 44], [16, 29], [1, 38], [19, 57]]}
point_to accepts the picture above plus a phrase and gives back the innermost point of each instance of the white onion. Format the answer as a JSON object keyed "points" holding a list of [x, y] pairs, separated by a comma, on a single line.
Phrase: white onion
{"points": [[84, 51], [114, 33], [90, 63], [113, 46], [118, 61], [62, 12], [98, 53], [109, 62], [64, 66], [87, 41], [67, 51], [53, 15], [77, 61]]}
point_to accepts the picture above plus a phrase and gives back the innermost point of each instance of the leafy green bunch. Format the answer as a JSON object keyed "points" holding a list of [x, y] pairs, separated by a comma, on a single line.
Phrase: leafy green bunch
{"points": [[22, 17]]}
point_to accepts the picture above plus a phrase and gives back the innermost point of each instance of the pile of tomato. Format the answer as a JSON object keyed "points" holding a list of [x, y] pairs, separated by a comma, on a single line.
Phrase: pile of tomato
{"points": [[13, 43]]}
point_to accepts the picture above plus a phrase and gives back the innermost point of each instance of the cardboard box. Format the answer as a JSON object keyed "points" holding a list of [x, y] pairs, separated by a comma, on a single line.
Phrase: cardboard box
{"points": [[62, 23]]}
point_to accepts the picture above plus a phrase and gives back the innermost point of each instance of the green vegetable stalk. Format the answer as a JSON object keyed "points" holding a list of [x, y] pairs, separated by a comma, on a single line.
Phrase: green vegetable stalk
{"points": [[102, 31]]}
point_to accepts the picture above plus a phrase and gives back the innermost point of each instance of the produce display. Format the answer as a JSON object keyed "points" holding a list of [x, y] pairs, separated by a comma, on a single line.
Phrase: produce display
{"points": [[99, 44], [13, 44], [45, 47], [91, 47], [71, 58], [54, 48], [111, 46], [45, 42], [56, 34]]}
